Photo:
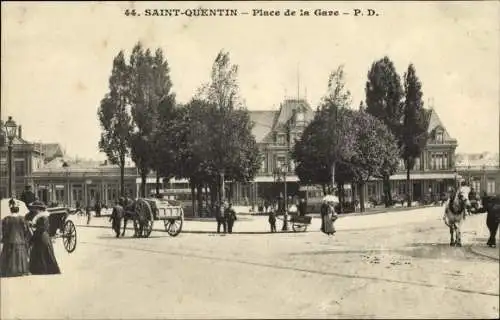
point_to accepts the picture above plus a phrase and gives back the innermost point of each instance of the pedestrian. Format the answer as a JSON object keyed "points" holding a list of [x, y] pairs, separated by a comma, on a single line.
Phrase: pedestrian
{"points": [[88, 211], [491, 204], [323, 213], [302, 207], [97, 208], [42, 257], [230, 217], [328, 220], [117, 217], [15, 240], [220, 217], [272, 220], [28, 196]]}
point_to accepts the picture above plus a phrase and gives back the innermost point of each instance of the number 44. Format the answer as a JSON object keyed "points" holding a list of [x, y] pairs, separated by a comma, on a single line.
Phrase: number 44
{"points": [[130, 12]]}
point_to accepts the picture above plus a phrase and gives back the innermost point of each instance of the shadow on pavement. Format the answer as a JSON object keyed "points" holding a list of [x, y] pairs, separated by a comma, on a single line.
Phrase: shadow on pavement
{"points": [[440, 251]]}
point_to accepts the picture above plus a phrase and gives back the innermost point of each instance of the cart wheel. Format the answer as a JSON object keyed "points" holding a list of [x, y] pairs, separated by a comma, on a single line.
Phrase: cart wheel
{"points": [[297, 227], [174, 227], [148, 228], [69, 236], [143, 211]]}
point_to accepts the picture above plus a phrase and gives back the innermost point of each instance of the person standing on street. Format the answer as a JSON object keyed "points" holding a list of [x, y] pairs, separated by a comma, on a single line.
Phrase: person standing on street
{"points": [[302, 207], [324, 213], [117, 217], [42, 257], [230, 217], [28, 196], [220, 217], [15, 240], [272, 220]]}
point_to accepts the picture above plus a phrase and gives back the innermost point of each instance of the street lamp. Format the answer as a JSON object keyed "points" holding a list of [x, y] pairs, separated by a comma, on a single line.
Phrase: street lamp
{"points": [[10, 128], [455, 175]]}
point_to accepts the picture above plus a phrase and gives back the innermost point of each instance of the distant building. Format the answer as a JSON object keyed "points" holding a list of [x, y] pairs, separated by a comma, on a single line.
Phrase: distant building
{"points": [[481, 170], [55, 178], [433, 174]]}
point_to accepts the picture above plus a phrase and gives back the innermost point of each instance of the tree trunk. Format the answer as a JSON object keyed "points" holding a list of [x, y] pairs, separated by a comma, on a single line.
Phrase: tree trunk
{"points": [[199, 197], [361, 187], [193, 200], [341, 194], [387, 192], [122, 177], [144, 176], [213, 197], [157, 184], [408, 192], [206, 196]]}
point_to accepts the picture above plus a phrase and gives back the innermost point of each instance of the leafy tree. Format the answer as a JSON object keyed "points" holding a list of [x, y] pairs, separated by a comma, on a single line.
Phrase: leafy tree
{"points": [[374, 147], [414, 131], [322, 143], [165, 127], [115, 119], [384, 101], [233, 152]]}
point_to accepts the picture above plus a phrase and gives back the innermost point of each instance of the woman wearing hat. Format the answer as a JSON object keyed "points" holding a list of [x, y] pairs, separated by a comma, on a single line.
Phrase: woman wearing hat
{"points": [[42, 258], [15, 235]]}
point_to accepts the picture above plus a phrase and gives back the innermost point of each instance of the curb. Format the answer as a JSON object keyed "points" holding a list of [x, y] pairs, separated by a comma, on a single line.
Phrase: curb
{"points": [[197, 232], [479, 252]]}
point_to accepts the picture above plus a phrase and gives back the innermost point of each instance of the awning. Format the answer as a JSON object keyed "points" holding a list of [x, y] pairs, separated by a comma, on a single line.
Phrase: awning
{"points": [[148, 180], [272, 179], [425, 176]]}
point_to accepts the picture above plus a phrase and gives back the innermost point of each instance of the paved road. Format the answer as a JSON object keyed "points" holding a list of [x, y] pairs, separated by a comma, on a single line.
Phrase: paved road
{"points": [[385, 265]]}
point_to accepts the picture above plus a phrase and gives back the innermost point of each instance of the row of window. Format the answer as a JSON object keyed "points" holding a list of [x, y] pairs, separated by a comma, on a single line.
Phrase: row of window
{"points": [[19, 168]]}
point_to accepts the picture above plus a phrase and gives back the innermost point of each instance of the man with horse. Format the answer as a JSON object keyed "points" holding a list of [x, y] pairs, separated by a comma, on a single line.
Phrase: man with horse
{"points": [[455, 212], [491, 204]]}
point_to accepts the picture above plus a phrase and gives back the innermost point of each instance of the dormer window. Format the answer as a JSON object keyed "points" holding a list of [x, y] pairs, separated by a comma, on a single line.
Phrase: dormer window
{"points": [[300, 116], [281, 139], [439, 136]]}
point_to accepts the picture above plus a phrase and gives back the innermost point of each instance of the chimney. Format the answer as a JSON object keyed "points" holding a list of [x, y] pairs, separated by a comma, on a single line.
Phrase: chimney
{"points": [[20, 132]]}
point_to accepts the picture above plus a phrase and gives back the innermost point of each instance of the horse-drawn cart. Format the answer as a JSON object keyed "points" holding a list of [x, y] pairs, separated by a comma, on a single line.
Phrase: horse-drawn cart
{"points": [[149, 210], [60, 226]]}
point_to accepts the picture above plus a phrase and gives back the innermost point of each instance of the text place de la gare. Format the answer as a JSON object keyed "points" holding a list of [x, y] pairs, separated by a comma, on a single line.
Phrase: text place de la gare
{"points": [[256, 12]]}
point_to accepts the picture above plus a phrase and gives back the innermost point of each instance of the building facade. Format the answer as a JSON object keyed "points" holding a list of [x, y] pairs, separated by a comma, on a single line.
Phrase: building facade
{"points": [[434, 173], [68, 182]]}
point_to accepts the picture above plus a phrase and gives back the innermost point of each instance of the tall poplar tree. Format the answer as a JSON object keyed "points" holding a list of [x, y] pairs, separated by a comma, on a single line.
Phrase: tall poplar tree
{"points": [[414, 130], [114, 117], [384, 100]]}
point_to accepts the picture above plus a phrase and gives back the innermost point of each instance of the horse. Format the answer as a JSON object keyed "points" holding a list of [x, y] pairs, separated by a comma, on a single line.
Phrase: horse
{"points": [[454, 214], [491, 205], [131, 213]]}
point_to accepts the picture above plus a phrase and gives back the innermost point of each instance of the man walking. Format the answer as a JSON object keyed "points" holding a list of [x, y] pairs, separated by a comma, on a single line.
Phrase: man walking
{"points": [[220, 217], [230, 217], [117, 216]]}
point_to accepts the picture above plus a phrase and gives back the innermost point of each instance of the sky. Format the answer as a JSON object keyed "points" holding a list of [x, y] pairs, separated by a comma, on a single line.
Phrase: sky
{"points": [[56, 58]]}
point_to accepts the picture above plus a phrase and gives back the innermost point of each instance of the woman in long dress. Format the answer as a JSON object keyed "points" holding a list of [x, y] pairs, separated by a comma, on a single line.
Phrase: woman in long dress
{"points": [[15, 237], [328, 221], [42, 258]]}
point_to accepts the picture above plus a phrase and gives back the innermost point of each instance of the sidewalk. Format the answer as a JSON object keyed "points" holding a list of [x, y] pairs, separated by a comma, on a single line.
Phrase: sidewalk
{"points": [[259, 224], [476, 225]]}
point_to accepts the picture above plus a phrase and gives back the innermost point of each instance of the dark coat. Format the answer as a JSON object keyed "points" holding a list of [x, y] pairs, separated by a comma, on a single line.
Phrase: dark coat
{"points": [[15, 238], [42, 257], [117, 215], [230, 215], [28, 197], [302, 208]]}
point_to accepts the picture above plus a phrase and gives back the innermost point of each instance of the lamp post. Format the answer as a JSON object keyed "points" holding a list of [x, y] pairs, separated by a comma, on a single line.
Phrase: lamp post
{"points": [[10, 128], [455, 175]]}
